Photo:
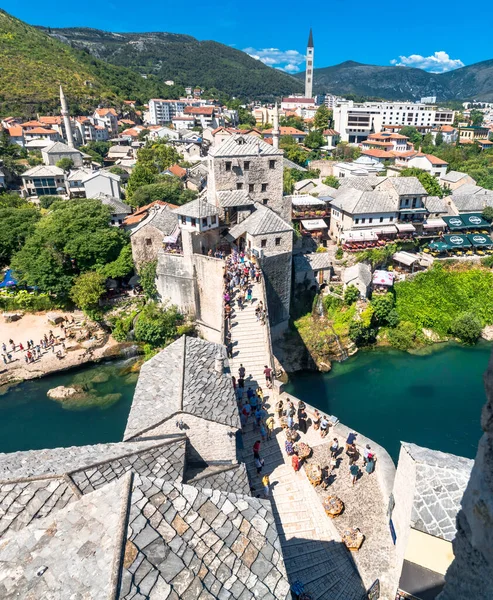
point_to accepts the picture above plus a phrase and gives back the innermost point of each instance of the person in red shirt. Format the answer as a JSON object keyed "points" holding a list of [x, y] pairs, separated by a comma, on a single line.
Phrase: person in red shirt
{"points": [[256, 449], [268, 375]]}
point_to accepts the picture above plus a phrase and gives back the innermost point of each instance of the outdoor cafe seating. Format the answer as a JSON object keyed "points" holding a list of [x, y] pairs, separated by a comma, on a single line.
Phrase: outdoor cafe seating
{"points": [[460, 244]]}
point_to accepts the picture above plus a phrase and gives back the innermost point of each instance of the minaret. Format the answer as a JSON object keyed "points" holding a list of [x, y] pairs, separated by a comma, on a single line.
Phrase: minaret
{"points": [[309, 66], [275, 127], [66, 120]]}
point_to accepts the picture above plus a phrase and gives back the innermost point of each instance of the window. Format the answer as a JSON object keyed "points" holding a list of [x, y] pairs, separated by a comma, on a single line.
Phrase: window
{"points": [[246, 165], [356, 221], [193, 222], [228, 166], [213, 219], [264, 187], [391, 219], [272, 164], [264, 201], [370, 220], [251, 187], [381, 219], [239, 186], [148, 242], [204, 221], [183, 220], [263, 243], [414, 202], [363, 220], [278, 241]]}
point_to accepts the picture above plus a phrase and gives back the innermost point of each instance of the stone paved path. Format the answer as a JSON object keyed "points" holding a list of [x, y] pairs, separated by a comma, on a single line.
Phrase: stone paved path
{"points": [[311, 545]]}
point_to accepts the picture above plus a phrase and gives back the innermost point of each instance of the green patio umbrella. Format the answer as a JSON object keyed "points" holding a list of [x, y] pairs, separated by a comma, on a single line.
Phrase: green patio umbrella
{"points": [[479, 239], [475, 220], [457, 241], [438, 246], [455, 223]]}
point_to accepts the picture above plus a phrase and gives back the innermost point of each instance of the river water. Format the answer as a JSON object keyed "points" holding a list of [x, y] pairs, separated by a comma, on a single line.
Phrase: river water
{"points": [[433, 400], [29, 420]]}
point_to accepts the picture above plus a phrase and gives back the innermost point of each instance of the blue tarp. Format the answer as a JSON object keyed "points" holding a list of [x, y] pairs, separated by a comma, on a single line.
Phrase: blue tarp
{"points": [[8, 280]]}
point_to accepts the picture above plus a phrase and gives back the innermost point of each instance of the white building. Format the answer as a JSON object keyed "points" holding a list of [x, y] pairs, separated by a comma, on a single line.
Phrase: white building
{"points": [[106, 118], [162, 112], [102, 182], [43, 181], [355, 122], [297, 102], [429, 163]]}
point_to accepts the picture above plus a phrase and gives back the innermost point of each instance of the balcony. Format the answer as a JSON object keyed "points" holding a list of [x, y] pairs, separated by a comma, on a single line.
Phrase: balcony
{"points": [[310, 214]]}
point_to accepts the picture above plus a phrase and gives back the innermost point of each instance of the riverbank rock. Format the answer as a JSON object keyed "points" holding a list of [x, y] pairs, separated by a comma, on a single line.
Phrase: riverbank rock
{"points": [[63, 393], [487, 333], [431, 335], [123, 350]]}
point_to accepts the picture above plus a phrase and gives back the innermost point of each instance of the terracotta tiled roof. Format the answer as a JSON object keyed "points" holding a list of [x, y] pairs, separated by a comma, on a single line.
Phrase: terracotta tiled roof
{"points": [[386, 136], [375, 153], [31, 124], [126, 122], [15, 131], [142, 213], [102, 112], [447, 128], [435, 160], [330, 132], [56, 120], [287, 131], [178, 171], [377, 143], [199, 110], [41, 130]]}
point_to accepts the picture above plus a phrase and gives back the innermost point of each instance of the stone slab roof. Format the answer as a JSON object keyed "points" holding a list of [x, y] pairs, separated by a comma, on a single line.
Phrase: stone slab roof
{"points": [[312, 262], [234, 198], [262, 221], [453, 176], [355, 202], [60, 148], [188, 543], [441, 479], [182, 378], [436, 205], [406, 185], [55, 462], [197, 208], [244, 145], [74, 553], [471, 202], [163, 219], [230, 478], [365, 183], [358, 272], [117, 206]]}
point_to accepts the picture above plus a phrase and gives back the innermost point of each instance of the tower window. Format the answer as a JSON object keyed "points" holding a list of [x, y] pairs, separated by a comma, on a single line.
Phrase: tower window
{"points": [[228, 166], [263, 243], [193, 222], [264, 187], [272, 164], [239, 186], [251, 187], [278, 241], [246, 165], [265, 201]]}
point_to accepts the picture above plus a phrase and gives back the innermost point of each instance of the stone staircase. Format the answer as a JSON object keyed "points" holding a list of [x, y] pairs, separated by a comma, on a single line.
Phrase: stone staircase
{"points": [[312, 549]]}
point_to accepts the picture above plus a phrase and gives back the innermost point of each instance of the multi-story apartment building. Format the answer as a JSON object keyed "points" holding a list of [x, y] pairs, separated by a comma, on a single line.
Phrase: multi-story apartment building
{"points": [[162, 112], [355, 122], [107, 118], [43, 181]]}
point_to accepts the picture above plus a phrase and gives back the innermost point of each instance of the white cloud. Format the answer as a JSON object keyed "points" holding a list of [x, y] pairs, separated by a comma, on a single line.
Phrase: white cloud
{"points": [[439, 62], [285, 60]]}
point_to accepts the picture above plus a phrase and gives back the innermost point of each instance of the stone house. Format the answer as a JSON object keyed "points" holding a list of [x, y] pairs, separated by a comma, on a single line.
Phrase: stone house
{"points": [[244, 162], [119, 210], [455, 179], [102, 182], [52, 153], [358, 275], [148, 235], [43, 181], [312, 270], [428, 489], [195, 397]]}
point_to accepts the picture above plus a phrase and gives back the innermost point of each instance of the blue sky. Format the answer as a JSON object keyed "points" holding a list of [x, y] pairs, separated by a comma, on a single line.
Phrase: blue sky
{"points": [[382, 34]]}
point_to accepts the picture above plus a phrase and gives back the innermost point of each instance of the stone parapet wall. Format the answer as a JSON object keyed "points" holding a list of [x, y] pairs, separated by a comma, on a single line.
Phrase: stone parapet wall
{"points": [[209, 285]]}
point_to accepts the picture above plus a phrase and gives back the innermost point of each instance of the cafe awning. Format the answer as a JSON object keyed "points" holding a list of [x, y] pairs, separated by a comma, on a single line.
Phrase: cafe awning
{"points": [[361, 235], [314, 224], [479, 239], [385, 229], [475, 220], [405, 258], [455, 223], [456, 240], [405, 227], [434, 224], [383, 278], [438, 246], [307, 201]]}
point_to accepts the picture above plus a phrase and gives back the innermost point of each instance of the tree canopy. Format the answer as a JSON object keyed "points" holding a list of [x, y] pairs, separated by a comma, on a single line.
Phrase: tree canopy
{"points": [[16, 224], [427, 180], [169, 189], [322, 117]]}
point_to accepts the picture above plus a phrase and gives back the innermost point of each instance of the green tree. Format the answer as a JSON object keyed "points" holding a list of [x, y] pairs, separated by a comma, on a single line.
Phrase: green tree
{"points": [[314, 139], [403, 337], [87, 290], [346, 152], [147, 276], [11, 200], [118, 171], [143, 135], [477, 118], [427, 144], [16, 225], [158, 154], [382, 306], [287, 141], [439, 139], [351, 294], [47, 201], [296, 155], [142, 174], [65, 164], [361, 335], [246, 118], [427, 180], [288, 181], [332, 181], [467, 328], [157, 325], [75, 236], [322, 117], [413, 134], [121, 267], [169, 189], [487, 214], [296, 122]]}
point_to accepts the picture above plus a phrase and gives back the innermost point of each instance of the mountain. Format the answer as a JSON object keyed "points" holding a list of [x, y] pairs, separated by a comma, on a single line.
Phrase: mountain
{"points": [[405, 83], [33, 65], [183, 59]]}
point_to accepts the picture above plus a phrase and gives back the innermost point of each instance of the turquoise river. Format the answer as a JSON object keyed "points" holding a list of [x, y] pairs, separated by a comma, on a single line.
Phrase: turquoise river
{"points": [[433, 400]]}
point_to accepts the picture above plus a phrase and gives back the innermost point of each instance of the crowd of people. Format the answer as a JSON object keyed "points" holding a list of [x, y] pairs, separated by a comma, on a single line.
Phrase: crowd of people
{"points": [[33, 352]]}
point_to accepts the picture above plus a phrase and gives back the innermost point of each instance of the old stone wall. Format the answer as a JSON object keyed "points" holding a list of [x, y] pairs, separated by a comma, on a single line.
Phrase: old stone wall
{"points": [[209, 284], [324, 166], [146, 243], [175, 282], [403, 492], [277, 277], [259, 175], [471, 573], [209, 441]]}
